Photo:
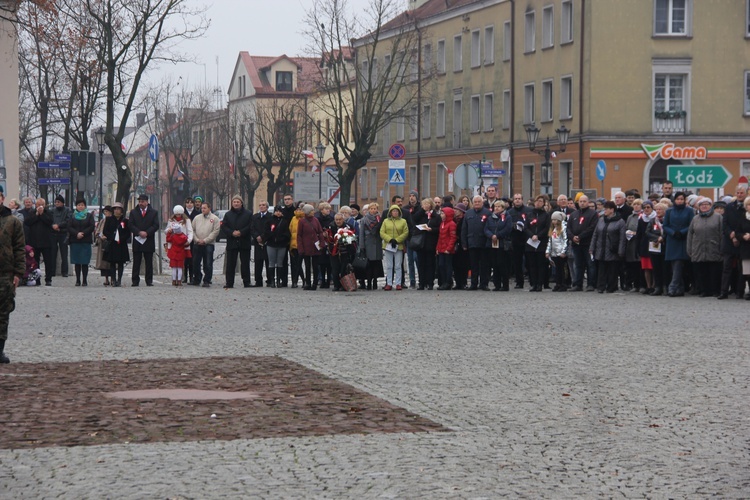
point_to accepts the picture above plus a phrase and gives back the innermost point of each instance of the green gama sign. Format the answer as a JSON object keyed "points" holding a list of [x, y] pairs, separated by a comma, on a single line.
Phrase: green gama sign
{"points": [[698, 176]]}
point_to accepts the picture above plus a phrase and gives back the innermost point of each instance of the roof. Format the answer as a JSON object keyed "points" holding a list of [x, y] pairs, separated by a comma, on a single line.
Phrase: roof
{"points": [[307, 71], [426, 10]]}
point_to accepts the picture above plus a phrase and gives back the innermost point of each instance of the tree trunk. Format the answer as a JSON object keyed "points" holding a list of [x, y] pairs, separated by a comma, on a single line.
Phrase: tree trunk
{"points": [[124, 177], [345, 181]]}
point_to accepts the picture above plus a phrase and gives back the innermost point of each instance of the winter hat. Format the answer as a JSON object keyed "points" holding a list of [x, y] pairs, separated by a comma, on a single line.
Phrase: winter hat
{"points": [[462, 207], [308, 209], [558, 216], [178, 210], [578, 196], [414, 192], [177, 228], [60, 198], [647, 203], [237, 197], [692, 199], [354, 206], [601, 200], [705, 199], [727, 200]]}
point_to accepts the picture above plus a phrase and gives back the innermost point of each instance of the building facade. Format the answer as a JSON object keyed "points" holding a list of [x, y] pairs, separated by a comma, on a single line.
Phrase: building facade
{"points": [[9, 155]]}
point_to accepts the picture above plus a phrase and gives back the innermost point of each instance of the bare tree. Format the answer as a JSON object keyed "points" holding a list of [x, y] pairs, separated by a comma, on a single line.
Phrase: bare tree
{"points": [[130, 37], [251, 161], [364, 87]]}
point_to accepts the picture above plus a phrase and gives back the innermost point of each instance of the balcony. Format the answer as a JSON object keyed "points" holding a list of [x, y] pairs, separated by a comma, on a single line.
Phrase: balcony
{"points": [[670, 122]]}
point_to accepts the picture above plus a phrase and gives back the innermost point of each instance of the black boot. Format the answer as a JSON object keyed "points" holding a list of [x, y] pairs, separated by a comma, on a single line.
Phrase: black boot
{"points": [[3, 358], [271, 277]]}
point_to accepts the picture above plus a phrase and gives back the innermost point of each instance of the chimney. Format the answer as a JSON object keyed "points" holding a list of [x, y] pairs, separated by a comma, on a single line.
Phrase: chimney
{"points": [[140, 120]]}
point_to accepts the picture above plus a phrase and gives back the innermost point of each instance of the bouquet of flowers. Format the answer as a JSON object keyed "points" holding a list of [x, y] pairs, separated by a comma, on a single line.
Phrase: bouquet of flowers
{"points": [[344, 237]]}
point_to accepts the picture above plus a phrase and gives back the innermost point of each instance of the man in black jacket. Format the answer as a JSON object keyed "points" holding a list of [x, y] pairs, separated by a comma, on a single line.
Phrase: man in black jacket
{"points": [[730, 247], [39, 223], [520, 212], [261, 222], [581, 226], [236, 228], [474, 241], [61, 216], [144, 223]]}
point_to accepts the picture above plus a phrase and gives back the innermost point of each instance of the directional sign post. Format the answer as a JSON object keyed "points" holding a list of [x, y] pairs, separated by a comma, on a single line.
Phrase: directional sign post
{"points": [[698, 176], [53, 181], [63, 165]]}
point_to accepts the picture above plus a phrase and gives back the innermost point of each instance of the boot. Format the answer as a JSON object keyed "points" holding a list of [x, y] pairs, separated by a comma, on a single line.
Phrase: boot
{"points": [[272, 277], [3, 358]]}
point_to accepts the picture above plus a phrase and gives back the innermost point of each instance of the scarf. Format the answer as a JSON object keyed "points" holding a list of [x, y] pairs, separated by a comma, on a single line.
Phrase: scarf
{"points": [[648, 218], [81, 215], [709, 213], [370, 221]]}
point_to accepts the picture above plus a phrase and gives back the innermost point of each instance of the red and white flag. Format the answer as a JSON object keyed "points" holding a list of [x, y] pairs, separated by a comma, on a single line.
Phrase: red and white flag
{"points": [[308, 154]]}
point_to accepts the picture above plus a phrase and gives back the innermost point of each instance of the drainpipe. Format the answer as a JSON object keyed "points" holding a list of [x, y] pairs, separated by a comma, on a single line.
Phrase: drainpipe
{"points": [[511, 170], [580, 97]]}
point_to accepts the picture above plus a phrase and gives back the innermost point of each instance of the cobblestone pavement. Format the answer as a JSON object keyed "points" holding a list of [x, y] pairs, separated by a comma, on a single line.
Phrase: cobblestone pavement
{"points": [[545, 395]]}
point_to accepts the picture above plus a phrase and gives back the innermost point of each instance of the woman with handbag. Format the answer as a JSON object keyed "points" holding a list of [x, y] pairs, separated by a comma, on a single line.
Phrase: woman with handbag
{"points": [[371, 246], [311, 242], [115, 239], [100, 263]]}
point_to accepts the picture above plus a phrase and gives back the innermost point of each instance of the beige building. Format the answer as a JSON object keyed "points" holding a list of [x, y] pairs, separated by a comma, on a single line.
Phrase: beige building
{"points": [[639, 85], [9, 157]]}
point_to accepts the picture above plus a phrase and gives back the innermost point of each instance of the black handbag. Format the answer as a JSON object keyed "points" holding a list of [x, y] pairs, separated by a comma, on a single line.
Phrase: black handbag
{"points": [[360, 262], [416, 242]]}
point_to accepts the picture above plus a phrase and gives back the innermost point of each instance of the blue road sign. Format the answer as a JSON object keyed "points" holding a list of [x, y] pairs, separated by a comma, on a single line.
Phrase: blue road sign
{"points": [[397, 172], [51, 164], [488, 171], [63, 157], [601, 170], [153, 148], [52, 181], [397, 151]]}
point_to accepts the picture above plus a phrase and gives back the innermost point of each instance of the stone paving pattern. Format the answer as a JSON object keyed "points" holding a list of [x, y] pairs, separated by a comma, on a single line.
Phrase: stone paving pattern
{"points": [[573, 395]]}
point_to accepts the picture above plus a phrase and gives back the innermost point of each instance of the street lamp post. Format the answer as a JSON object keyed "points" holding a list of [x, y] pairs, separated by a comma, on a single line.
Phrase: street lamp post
{"points": [[532, 133], [100, 144], [321, 150]]}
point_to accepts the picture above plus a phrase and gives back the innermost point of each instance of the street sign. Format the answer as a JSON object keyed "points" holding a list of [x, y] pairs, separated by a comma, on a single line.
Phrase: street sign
{"points": [[306, 186], [601, 170], [397, 172], [488, 171], [63, 157], [153, 148], [397, 151], [52, 181], [50, 164], [466, 176], [698, 176]]}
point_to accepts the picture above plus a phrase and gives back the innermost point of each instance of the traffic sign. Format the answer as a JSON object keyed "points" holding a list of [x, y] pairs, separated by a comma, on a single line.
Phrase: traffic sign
{"points": [[52, 181], [488, 171], [50, 164], [397, 172], [63, 157], [153, 148], [698, 176], [466, 176], [397, 151], [601, 170]]}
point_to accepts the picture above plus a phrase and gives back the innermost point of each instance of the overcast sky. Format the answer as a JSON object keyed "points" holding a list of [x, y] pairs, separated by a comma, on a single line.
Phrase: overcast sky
{"points": [[261, 27]]}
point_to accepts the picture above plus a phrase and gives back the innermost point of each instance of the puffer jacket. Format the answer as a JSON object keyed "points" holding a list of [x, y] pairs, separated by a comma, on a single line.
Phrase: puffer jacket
{"points": [[12, 245], [608, 243], [558, 243], [472, 231], [447, 236], [500, 226], [704, 238], [394, 229], [293, 224]]}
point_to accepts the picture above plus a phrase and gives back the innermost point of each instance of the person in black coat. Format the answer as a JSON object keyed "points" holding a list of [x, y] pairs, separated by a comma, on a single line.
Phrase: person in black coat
{"points": [[144, 223], [80, 231], [536, 231], [261, 221], [40, 239], [191, 212], [276, 238], [237, 228], [520, 213], [324, 264], [115, 237], [474, 241], [581, 226], [427, 215]]}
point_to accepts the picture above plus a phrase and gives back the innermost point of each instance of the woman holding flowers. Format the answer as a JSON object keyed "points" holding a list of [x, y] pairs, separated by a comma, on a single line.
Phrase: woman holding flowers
{"points": [[342, 248]]}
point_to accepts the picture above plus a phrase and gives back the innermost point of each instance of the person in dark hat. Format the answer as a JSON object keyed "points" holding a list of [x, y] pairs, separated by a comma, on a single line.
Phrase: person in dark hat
{"points": [[100, 263], [143, 223], [61, 216], [39, 222]]}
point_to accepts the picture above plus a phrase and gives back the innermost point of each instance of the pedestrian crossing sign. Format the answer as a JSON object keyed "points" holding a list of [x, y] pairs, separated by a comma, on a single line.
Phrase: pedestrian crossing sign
{"points": [[397, 172]]}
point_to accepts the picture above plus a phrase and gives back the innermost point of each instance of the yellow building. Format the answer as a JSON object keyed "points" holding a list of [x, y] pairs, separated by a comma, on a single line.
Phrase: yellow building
{"points": [[624, 78], [9, 159]]}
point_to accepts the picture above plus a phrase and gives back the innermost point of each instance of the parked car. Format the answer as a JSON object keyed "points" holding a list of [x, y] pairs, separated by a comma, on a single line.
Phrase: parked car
{"points": [[220, 214]]}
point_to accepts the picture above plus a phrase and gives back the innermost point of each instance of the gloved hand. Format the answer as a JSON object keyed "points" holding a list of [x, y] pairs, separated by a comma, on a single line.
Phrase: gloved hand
{"points": [[394, 243]]}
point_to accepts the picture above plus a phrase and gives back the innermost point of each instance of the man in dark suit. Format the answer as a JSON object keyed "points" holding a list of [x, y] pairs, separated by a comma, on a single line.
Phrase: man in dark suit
{"points": [[144, 222], [261, 223]]}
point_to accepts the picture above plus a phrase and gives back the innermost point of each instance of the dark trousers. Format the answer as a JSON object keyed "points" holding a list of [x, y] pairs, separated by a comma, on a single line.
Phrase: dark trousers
{"points": [[231, 257], [116, 269], [500, 262], [583, 263], [707, 276], [445, 269], [261, 261], [537, 263], [149, 257], [339, 265], [731, 274], [311, 270], [561, 271], [50, 261], [657, 262], [480, 269], [203, 255], [187, 276], [517, 261], [461, 267], [426, 267], [58, 244], [324, 270], [633, 270], [296, 262], [609, 271]]}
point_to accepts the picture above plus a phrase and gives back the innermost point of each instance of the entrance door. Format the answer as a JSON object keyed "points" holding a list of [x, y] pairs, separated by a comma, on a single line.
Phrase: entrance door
{"points": [[658, 174]]}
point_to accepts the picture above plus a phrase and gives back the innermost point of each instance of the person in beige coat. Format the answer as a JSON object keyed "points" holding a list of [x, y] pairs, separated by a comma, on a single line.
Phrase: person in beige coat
{"points": [[206, 228], [704, 248]]}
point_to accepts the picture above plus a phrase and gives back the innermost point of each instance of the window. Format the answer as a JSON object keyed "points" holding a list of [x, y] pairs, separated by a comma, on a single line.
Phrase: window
{"points": [[507, 41], [457, 122], [489, 45], [547, 101], [427, 58], [672, 17], [440, 120], [426, 121], [566, 97], [506, 109], [413, 123], [400, 135], [440, 63], [530, 35], [528, 103], [745, 168], [402, 62], [475, 49], [566, 178], [440, 180], [528, 181], [414, 66], [424, 189], [668, 93], [364, 177], [374, 75], [283, 81], [548, 27], [457, 55], [474, 113], [373, 182], [488, 102], [386, 132], [566, 22], [747, 19], [412, 178], [747, 92]]}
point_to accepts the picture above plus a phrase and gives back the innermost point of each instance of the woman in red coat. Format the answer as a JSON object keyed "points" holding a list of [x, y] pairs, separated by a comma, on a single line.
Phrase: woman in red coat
{"points": [[310, 243], [446, 247]]}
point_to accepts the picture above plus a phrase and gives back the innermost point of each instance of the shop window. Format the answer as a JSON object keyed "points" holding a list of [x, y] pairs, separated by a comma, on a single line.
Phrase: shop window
{"points": [[672, 17]]}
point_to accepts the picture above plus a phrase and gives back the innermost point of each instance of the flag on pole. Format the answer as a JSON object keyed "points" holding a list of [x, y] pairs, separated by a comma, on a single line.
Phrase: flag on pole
{"points": [[554, 155], [308, 154]]}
